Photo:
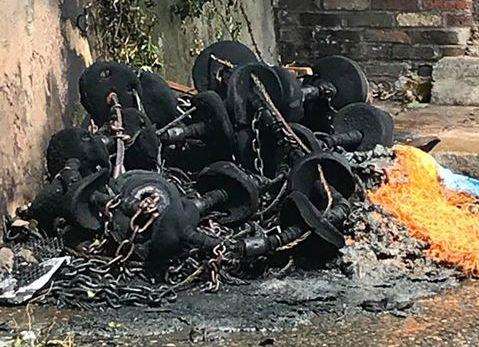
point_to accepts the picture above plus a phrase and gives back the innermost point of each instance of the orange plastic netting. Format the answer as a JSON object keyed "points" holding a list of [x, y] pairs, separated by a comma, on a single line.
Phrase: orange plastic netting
{"points": [[444, 219]]}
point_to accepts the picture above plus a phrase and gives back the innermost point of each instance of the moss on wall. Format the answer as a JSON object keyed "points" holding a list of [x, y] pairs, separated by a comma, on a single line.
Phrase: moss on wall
{"points": [[167, 35]]}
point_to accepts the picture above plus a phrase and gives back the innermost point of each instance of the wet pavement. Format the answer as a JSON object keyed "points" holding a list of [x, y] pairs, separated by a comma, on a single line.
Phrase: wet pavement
{"points": [[456, 126], [447, 319]]}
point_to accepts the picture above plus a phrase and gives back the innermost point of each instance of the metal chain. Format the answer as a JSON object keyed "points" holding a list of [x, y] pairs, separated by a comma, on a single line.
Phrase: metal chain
{"points": [[331, 114], [256, 144], [148, 207], [92, 127], [267, 101], [98, 245], [94, 280], [215, 266], [116, 127]]}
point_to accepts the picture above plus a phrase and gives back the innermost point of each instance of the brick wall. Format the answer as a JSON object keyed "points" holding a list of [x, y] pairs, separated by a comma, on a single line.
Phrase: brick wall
{"points": [[388, 37]]}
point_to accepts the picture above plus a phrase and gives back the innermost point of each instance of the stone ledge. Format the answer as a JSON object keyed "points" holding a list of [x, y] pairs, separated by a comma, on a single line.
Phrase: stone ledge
{"points": [[456, 81], [459, 162]]}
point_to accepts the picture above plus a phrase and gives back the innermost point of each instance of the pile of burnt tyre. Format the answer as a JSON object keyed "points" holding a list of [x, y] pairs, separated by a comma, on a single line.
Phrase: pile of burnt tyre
{"points": [[255, 143]]}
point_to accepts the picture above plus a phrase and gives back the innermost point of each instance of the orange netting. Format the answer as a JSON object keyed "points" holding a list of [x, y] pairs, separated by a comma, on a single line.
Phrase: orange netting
{"points": [[443, 218]]}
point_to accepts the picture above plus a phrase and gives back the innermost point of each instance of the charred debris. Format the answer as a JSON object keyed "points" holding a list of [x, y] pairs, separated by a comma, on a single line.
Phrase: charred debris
{"points": [[259, 172]]}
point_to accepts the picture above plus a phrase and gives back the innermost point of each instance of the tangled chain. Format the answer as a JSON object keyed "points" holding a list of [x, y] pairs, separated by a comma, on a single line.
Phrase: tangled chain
{"points": [[256, 144], [95, 280]]}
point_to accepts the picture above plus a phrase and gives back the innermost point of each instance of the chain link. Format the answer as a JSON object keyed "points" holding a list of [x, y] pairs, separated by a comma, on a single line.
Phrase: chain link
{"points": [[256, 143], [93, 279], [147, 207], [92, 127]]}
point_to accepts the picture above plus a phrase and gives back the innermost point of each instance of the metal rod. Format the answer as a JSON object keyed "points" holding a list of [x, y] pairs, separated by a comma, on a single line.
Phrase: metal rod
{"points": [[269, 103], [224, 62], [113, 101], [175, 121]]}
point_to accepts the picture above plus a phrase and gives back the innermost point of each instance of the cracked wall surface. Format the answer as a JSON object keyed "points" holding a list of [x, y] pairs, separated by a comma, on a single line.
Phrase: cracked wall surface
{"points": [[41, 55]]}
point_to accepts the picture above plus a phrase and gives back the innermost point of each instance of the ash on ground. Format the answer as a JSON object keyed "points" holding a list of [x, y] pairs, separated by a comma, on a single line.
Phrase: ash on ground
{"points": [[382, 269]]}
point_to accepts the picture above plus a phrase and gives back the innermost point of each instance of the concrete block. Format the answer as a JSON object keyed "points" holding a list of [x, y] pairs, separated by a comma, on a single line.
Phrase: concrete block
{"points": [[456, 81], [460, 162], [416, 19]]}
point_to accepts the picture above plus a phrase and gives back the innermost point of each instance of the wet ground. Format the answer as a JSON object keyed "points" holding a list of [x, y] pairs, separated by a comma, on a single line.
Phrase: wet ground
{"points": [[456, 126], [446, 319], [302, 309]]}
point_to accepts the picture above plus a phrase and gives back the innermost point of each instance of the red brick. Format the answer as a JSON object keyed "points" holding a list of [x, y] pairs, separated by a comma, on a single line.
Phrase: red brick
{"points": [[381, 68], [296, 35], [332, 49], [371, 51], [419, 19], [384, 35], [299, 6], [320, 19], [403, 5], [449, 36], [447, 4], [453, 51], [336, 36], [458, 20], [356, 5], [400, 52], [370, 19], [286, 18]]}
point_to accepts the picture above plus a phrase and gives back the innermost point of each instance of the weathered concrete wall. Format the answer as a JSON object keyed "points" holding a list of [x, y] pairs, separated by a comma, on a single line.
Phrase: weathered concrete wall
{"points": [[40, 56], [181, 40]]}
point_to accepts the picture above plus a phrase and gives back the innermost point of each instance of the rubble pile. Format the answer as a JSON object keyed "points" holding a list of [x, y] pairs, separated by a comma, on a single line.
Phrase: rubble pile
{"points": [[258, 171]]}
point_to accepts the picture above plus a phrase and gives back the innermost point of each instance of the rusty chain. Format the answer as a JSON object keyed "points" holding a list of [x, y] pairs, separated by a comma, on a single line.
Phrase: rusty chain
{"points": [[147, 207], [116, 128], [214, 264]]}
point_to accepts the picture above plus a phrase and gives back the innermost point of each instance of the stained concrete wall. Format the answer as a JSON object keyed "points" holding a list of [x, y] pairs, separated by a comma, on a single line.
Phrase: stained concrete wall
{"points": [[41, 54], [181, 40]]}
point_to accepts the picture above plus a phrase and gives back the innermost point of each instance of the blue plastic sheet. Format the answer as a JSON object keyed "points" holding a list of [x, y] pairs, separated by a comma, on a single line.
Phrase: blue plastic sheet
{"points": [[459, 183]]}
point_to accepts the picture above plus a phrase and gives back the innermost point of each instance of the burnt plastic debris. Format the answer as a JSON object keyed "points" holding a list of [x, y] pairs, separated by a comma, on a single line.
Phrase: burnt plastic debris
{"points": [[210, 124], [298, 218], [252, 167], [158, 100], [336, 82], [215, 63], [49, 205], [76, 143], [228, 189], [102, 78]]}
